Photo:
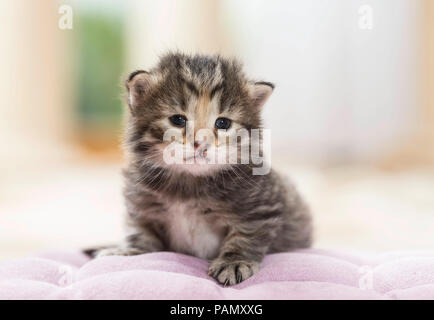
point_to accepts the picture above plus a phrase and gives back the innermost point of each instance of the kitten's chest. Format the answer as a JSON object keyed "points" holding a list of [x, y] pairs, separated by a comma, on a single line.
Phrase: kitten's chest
{"points": [[195, 231]]}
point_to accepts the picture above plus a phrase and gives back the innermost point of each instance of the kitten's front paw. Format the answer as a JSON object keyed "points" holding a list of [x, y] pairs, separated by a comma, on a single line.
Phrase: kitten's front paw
{"points": [[230, 273]]}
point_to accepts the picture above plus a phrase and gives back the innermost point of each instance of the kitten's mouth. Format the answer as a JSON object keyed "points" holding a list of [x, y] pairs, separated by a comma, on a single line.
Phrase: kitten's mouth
{"points": [[202, 154], [197, 159]]}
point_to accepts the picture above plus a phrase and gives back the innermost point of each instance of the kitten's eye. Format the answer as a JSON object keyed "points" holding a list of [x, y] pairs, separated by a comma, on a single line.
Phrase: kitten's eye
{"points": [[223, 123], [178, 120]]}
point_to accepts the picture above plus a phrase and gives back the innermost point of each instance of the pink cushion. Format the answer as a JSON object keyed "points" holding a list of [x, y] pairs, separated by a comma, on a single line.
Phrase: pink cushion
{"points": [[306, 274]]}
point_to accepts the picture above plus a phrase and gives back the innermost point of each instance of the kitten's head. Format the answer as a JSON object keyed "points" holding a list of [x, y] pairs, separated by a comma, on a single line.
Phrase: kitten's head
{"points": [[192, 99]]}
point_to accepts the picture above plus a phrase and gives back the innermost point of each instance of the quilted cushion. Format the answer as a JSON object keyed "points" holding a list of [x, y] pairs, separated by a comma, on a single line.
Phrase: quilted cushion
{"points": [[306, 274]]}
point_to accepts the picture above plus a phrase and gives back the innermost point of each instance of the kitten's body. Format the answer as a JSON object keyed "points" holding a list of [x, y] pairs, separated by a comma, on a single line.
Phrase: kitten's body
{"points": [[195, 218], [225, 213]]}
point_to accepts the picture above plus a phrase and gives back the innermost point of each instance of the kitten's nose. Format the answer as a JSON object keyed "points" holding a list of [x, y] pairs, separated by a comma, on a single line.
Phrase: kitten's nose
{"points": [[201, 145], [201, 148]]}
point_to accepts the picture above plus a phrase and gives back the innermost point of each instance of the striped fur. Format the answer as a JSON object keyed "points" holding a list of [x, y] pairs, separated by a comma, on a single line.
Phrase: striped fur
{"points": [[224, 213]]}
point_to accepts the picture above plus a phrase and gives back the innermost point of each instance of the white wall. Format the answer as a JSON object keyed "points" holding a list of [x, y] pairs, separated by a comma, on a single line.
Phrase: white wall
{"points": [[342, 92], [33, 85], [157, 26]]}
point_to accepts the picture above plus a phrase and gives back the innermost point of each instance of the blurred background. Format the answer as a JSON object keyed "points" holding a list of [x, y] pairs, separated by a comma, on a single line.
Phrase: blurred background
{"points": [[352, 115]]}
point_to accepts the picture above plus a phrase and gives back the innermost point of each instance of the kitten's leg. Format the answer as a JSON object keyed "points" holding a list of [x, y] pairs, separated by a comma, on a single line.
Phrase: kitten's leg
{"points": [[240, 255], [135, 244]]}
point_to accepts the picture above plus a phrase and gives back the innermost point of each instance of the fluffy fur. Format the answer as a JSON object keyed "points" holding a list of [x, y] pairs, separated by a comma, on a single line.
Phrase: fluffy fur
{"points": [[222, 213]]}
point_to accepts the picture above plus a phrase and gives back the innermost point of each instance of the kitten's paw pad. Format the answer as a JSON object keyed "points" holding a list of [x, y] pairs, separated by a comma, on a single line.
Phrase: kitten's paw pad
{"points": [[231, 273], [117, 252]]}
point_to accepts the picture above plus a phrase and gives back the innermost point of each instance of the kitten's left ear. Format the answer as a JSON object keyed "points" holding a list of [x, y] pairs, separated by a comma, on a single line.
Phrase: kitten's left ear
{"points": [[260, 92]]}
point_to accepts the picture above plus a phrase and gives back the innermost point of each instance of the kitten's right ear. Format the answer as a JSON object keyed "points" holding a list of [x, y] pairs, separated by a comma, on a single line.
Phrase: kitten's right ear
{"points": [[260, 92], [139, 84]]}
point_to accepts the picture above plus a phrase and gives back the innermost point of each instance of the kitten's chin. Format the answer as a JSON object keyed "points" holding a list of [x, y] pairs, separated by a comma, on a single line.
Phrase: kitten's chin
{"points": [[197, 169]]}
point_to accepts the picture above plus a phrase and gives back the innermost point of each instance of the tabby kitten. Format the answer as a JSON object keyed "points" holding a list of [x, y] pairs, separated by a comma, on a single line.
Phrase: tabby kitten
{"points": [[220, 212]]}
